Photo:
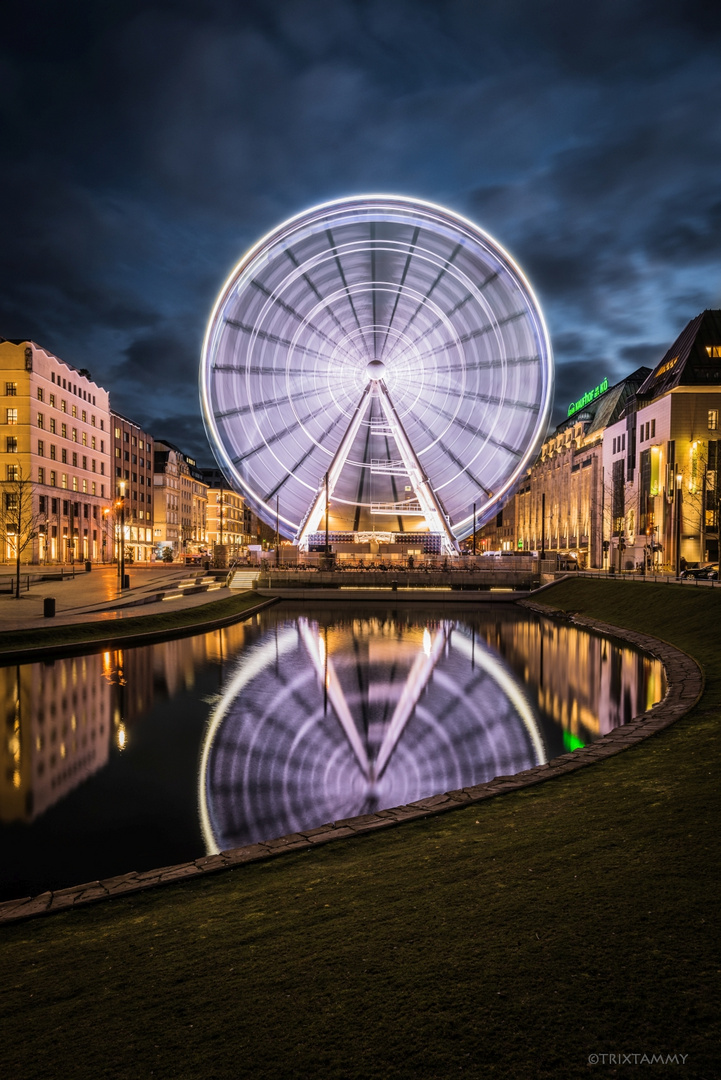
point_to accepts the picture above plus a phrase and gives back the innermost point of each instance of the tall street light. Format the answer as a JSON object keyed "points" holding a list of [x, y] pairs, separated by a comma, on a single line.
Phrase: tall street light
{"points": [[121, 506]]}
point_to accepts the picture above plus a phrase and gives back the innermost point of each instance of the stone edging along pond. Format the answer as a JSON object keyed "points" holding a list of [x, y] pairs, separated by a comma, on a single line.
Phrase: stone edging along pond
{"points": [[685, 686]]}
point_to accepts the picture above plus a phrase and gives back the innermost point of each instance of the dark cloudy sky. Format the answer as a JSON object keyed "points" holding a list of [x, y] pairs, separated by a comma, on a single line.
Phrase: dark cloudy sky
{"points": [[147, 145]]}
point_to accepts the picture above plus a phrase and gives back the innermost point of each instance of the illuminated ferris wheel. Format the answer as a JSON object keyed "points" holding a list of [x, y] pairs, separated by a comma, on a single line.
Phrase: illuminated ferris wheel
{"points": [[381, 361]]}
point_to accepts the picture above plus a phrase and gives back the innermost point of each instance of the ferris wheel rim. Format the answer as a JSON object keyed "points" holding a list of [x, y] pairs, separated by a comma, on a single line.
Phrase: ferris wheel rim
{"points": [[272, 241]]}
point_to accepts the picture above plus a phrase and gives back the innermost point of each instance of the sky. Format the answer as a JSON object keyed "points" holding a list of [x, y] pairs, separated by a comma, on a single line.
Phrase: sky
{"points": [[147, 146]]}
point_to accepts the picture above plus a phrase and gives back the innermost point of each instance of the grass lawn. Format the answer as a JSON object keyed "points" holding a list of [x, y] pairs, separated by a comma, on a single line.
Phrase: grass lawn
{"points": [[512, 939], [166, 623]]}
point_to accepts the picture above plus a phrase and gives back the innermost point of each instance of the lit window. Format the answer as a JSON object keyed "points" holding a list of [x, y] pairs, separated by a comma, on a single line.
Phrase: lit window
{"points": [[63, 406], [52, 452], [11, 416], [41, 476], [41, 447], [117, 433], [75, 434], [41, 420], [75, 410], [85, 485], [11, 445], [40, 393], [117, 451], [52, 425], [713, 350], [713, 419], [11, 472], [92, 442], [64, 430], [75, 483], [94, 493], [84, 417], [11, 389], [53, 479], [64, 480]]}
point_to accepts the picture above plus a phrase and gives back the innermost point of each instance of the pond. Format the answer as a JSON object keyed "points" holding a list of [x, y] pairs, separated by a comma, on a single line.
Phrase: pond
{"points": [[145, 757]]}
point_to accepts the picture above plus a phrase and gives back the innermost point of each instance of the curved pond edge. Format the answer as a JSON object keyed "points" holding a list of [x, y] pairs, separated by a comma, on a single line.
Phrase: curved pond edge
{"points": [[685, 684]]}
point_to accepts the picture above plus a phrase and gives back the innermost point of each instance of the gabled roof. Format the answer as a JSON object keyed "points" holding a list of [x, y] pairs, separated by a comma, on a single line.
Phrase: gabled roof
{"points": [[690, 360]]}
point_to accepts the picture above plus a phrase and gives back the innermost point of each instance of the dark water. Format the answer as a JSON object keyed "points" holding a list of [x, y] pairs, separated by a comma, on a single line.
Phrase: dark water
{"points": [[138, 758]]}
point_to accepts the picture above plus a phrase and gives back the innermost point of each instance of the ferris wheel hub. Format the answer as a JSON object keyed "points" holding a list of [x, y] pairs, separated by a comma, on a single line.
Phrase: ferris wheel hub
{"points": [[375, 370]]}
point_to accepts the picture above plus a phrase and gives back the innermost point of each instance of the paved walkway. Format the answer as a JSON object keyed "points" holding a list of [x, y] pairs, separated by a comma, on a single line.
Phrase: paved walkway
{"points": [[96, 596]]}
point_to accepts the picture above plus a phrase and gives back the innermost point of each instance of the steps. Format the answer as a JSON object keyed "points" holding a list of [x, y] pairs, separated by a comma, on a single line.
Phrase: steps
{"points": [[244, 579]]}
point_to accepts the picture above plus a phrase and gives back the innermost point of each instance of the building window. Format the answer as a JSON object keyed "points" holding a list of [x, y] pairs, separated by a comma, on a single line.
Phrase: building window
{"points": [[64, 480], [117, 433], [94, 469], [117, 451], [84, 438], [640, 434], [11, 472], [52, 425], [41, 448], [713, 350], [92, 442], [102, 467], [126, 436], [94, 492], [75, 461], [40, 393], [63, 455], [41, 476], [84, 417], [92, 420], [75, 483], [713, 419], [102, 486], [75, 410], [64, 430], [85, 487], [653, 429], [41, 420], [11, 445], [52, 401], [63, 406], [52, 451], [11, 389], [75, 434], [102, 426], [102, 446], [11, 416]]}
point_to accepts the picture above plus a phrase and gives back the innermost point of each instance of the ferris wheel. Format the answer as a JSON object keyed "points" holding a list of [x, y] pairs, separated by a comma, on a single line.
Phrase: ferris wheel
{"points": [[376, 363]]}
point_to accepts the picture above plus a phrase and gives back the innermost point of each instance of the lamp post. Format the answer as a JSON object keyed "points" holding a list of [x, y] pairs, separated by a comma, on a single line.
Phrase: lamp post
{"points": [[679, 502], [121, 560]]}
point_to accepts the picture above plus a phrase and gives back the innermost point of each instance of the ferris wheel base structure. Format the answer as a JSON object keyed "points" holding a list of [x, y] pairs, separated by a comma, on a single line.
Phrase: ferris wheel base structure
{"points": [[376, 366]]}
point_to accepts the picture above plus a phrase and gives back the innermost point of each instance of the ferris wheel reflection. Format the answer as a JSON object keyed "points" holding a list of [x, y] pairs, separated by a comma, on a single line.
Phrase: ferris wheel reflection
{"points": [[324, 723]]}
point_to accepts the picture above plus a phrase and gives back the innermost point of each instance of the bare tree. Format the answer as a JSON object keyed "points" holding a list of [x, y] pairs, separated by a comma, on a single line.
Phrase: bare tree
{"points": [[19, 521]]}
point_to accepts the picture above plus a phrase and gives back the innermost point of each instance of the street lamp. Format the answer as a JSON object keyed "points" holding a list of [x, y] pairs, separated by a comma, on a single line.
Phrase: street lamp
{"points": [[679, 496], [121, 560]]}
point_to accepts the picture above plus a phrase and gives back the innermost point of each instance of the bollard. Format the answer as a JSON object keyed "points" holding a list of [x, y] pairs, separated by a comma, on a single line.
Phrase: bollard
{"points": [[126, 581], [49, 607], [88, 566]]}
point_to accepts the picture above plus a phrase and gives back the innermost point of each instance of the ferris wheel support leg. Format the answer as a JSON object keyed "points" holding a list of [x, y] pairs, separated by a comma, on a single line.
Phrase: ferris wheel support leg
{"points": [[418, 678], [430, 503], [318, 506]]}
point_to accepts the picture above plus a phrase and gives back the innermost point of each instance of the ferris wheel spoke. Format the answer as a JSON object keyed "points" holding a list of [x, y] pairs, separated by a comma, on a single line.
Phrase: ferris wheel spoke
{"points": [[274, 339], [289, 309], [341, 271], [401, 283], [439, 277]]}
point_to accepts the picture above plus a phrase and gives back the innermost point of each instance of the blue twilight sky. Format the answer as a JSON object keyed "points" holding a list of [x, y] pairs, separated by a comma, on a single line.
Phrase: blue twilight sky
{"points": [[147, 145]]}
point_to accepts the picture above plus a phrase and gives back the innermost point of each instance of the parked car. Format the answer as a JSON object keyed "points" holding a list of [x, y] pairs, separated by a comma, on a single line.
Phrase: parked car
{"points": [[701, 573]]}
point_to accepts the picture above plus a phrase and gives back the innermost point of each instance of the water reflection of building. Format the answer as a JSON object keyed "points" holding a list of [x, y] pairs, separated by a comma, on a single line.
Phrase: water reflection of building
{"points": [[586, 684], [57, 727]]}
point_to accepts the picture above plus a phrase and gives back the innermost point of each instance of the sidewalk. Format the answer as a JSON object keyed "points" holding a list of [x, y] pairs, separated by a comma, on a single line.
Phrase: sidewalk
{"points": [[96, 597]]}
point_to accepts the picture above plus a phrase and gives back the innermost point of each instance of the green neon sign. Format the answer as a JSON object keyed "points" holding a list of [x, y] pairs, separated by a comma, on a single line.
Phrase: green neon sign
{"points": [[588, 397]]}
